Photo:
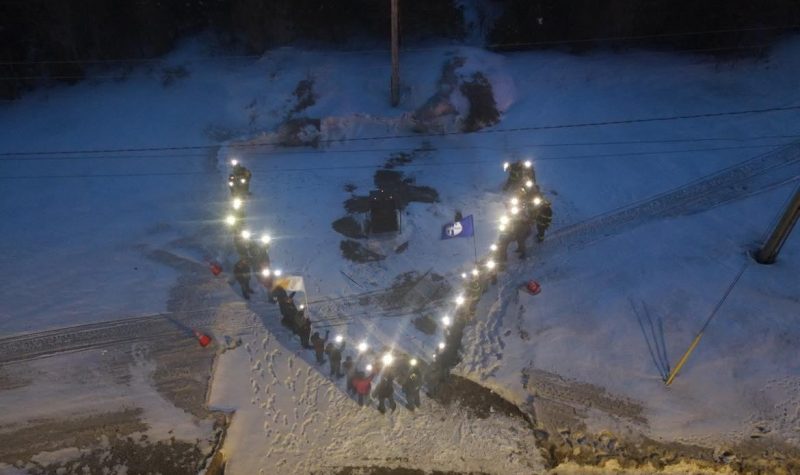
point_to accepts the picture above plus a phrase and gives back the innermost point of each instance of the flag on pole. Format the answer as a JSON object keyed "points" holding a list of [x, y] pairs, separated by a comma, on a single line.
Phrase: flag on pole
{"points": [[463, 228], [292, 283]]}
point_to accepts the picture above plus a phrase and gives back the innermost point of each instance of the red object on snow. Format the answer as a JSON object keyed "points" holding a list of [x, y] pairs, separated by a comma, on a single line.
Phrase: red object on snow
{"points": [[216, 269], [533, 287], [202, 338]]}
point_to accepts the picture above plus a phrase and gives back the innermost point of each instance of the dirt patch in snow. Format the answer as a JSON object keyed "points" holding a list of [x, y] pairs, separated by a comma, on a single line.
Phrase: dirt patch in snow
{"points": [[348, 226], [304, 95], [482, 106], [478, 400], [357, 252]]}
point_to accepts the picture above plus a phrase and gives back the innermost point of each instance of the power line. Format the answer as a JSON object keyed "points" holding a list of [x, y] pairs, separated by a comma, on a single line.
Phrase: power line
{"points": [[408, 50], [394, 150], [448, 163], [422, 135]]}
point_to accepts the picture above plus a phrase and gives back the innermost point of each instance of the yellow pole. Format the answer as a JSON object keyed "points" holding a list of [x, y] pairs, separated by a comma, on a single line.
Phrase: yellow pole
{"points": [[685, 357]]}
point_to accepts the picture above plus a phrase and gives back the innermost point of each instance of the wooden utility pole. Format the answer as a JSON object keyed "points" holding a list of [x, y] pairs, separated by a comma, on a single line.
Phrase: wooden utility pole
{"points": [[768, 253], [395, 56]]}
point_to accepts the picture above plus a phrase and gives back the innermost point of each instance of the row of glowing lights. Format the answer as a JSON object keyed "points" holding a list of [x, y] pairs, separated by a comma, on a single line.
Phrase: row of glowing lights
{"points": [[246, 234]]}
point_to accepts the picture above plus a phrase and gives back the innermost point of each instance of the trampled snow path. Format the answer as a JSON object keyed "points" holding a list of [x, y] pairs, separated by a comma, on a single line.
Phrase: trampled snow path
{"points": [[290, 416]]}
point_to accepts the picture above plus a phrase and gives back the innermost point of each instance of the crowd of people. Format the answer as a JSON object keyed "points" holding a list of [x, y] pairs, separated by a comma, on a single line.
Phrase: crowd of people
{"points": [[253, 253], [527, 207]]}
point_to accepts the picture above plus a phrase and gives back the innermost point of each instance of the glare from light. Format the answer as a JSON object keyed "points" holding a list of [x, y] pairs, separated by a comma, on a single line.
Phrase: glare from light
{"points": [[230, 183], [387, 359], [237, 203], [234, 162], [413, 362], [434, 356], [475, 272], [265, 272], [493, 247], [446, 321], [529, 184], [515, 210], [278, 272], [265, 238], [369, 368], [441, 345], [504, 219], [362, 347], [246, 234], [460, 300], [537, 201], [502, 227], [506, 165], [230, 220], [339, 338], [515, 201], [528, 164], [302, 306], [490, 264], [242, 180], [463, 275]]}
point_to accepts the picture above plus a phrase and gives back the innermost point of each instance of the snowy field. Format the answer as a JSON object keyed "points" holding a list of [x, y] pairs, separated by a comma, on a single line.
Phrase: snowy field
{"points": [[81, 231]]}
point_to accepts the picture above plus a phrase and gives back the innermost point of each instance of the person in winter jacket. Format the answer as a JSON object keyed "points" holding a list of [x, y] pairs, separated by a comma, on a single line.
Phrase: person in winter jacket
{"points": [[304, 331], [288, 310], [543, 219], [385, 391], [319, 345], [334, 352], [518, 173], [349, 367], [411, 390], [241, 272], [362, 385], [239, 180]]}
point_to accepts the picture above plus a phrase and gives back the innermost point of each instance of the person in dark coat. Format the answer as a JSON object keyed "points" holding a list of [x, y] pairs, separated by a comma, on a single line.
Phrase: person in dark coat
{"points": [[239, 180], [240, 244], [334, 352], [522, 229], [544, 217], [288, 310], [349, 367], [362, 385], [385, 391], [241, 272], [411, 390], [319, 345], [304, 331], [518, 173]]}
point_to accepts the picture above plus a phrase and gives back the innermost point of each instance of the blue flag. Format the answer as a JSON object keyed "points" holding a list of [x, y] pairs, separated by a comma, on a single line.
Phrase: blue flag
{"points": [[463, 228]]}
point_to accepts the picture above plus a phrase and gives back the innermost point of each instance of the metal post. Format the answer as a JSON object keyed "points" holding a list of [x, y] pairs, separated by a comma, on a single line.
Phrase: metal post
{"points": [[772, 247], [395, 85]]}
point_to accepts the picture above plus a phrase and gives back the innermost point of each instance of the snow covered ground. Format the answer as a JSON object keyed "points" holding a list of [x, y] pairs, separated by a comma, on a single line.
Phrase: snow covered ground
{"points": [[80, 248]]}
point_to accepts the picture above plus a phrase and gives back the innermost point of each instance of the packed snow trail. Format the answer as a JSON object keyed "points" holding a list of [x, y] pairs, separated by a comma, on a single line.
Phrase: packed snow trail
{"points": [[290, 415]]}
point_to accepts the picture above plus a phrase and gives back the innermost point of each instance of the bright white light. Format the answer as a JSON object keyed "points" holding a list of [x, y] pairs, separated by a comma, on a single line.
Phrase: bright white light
{"points": [[528, 164], [463, 275], [387, 359], [528, 184], [278, 272], [515, 210], [339, 338], [242, 180], [493, 247], [537, 201], [246, 234], [302, 306], [237, 203], [515, 201], [369, 368], [502, 227], [265, 272], [413, 362], [460, 300], [230, 183], [434, 356], [446, 321], [490, 264], [230, 220], [441, 345], [234, 162], [362, 347], [475, 272], [265, 238], [504, 219], [506, 165]]}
